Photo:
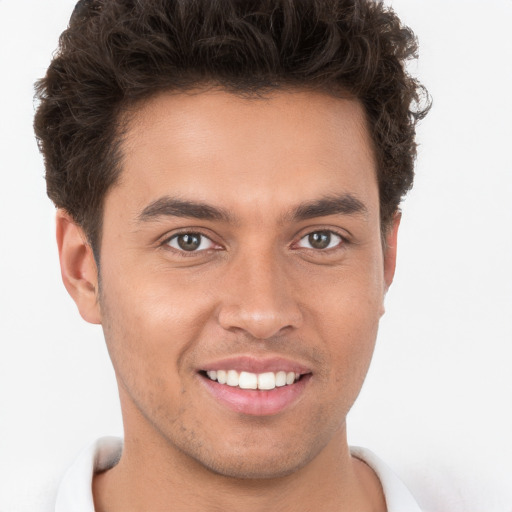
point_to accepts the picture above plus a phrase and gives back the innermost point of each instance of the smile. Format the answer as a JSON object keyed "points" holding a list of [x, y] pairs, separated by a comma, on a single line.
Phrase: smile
{"points": [[247, 380], [256, 387]]}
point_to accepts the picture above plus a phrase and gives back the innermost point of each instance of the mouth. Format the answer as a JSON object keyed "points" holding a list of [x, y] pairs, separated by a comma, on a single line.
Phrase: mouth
{"points": [[247, 380], [256, 388]]}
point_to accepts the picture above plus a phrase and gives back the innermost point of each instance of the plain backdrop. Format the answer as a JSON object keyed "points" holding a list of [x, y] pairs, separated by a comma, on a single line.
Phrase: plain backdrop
{"points": [[437, 403]]}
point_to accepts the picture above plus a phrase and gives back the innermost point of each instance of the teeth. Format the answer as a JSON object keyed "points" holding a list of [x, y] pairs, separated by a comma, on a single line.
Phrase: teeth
{"points": [[232, 378], [247, 380], [280, 379], [267, 380]]}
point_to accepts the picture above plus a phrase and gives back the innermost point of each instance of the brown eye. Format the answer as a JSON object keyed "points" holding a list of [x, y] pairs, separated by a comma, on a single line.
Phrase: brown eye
{"points": [[320, 240], [190, 242]]}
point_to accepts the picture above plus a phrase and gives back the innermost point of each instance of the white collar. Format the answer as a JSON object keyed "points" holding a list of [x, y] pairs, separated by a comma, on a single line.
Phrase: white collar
{"points": [[398, 497], [75, 491]]}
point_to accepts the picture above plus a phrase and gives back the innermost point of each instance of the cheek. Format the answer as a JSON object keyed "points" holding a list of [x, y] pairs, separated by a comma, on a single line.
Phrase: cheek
{"points": [[351, 338], [351, 342], [149, 324], [346, 314], [347, 300], [153, 302]]}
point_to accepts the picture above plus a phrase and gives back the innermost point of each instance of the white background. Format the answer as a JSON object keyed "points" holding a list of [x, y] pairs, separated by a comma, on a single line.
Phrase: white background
{"points": [[437, 404]]}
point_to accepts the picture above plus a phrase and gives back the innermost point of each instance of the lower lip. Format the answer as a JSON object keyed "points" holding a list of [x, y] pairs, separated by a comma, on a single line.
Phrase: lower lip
{"points": [[256, 402]]}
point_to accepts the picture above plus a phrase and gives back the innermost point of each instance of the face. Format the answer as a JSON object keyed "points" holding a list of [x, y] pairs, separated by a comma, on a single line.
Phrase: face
{"points": [[243, 275]]}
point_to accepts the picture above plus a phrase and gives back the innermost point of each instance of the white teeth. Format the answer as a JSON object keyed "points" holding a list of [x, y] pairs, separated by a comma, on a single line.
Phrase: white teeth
{"points": [[232, 378], [280, 379], [267, 380], [248, 380]]}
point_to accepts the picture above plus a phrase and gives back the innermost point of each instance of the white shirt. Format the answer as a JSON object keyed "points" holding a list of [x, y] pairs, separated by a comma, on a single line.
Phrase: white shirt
{"points": [[75, 491]]}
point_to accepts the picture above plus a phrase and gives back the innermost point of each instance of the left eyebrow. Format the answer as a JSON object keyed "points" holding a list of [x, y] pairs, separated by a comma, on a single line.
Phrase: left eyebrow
{"points": [[344, 204]]}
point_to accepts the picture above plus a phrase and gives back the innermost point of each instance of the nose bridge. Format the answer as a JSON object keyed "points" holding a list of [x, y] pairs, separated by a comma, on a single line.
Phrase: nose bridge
{"points": [[258, 296]]}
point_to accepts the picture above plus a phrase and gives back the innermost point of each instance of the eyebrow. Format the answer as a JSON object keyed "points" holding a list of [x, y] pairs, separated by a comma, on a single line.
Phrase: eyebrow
{"points": [[174, 207], [344, 204]]}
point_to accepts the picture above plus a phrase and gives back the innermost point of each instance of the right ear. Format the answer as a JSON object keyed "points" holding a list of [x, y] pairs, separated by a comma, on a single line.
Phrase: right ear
{"points": [[78, 267]]}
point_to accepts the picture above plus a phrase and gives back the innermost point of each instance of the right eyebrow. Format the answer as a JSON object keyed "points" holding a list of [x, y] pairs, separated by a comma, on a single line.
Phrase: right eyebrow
{"points": [[167, 206]]}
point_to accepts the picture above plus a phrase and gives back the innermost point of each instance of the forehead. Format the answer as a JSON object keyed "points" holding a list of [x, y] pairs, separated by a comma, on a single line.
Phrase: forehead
{"points": [[217, 146]]}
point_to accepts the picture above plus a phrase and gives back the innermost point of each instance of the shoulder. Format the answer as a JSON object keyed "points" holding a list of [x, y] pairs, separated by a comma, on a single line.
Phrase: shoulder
{"points": [[75, 491], [398, 498]]}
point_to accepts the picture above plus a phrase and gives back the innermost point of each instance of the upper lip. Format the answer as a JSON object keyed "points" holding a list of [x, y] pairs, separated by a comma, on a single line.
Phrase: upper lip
{"points": [[252, 364]]}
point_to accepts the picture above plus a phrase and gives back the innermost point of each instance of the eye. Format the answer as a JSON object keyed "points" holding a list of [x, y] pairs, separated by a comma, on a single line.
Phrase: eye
{"points": [[190, 242], [320, 240]]}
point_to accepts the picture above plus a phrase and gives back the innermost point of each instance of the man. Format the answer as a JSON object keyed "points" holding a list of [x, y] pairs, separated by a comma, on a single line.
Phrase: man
{"points": [[228, 178]]}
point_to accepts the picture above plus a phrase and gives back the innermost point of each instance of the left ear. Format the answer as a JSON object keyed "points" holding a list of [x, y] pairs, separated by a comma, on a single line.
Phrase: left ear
{"points": [[390, 250]]}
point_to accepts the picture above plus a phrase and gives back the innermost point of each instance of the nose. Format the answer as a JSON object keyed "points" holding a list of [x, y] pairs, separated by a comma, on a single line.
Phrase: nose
{"points": [[258, 298]]}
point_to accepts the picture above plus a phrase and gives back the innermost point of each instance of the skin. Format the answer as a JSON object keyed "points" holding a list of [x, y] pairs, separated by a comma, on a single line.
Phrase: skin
{"points": [[257, 287]]}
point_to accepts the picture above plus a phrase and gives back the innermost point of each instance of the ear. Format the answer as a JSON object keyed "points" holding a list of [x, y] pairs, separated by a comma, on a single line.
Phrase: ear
{"points": [[78, 267], [390, 250]]}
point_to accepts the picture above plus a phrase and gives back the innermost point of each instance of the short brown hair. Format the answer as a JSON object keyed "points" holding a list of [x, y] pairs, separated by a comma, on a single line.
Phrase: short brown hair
{"points": [[116, 53]]}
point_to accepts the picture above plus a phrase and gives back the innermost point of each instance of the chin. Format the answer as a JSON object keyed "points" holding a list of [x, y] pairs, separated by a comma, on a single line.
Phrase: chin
{"points": [[256, 462], [253, 469]]}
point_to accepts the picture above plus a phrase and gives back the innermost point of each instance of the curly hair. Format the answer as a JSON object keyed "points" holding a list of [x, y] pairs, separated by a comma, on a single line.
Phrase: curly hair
{"points": [[116, 53]]}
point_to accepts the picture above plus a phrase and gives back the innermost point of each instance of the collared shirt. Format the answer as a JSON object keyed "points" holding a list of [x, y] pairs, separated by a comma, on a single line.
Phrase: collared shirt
{"points": [[75, 491]]}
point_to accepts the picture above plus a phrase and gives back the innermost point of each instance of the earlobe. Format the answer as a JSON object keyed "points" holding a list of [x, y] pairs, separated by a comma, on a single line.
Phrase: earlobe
{"points": [[78, 267], [390, 250]]}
